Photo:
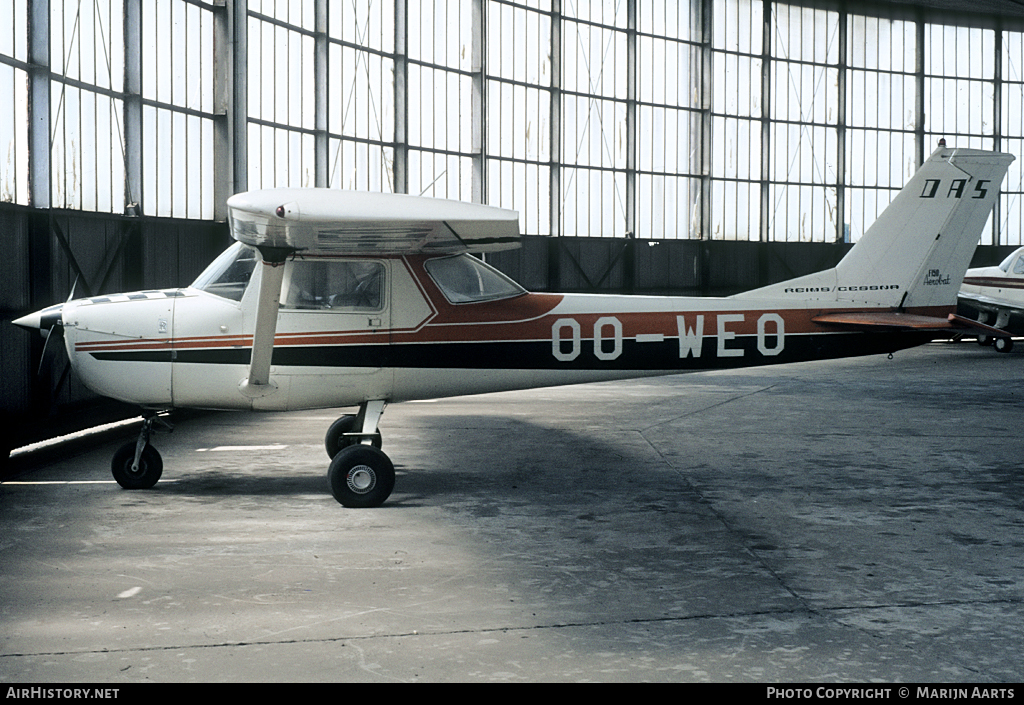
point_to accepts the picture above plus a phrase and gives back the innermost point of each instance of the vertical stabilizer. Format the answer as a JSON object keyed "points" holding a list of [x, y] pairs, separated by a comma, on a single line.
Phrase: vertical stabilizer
{"points": [[922, 243], [917, 251]]}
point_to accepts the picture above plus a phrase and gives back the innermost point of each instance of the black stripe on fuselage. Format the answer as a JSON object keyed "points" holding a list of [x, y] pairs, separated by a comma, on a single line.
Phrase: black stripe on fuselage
{"points": [[539, 355]]}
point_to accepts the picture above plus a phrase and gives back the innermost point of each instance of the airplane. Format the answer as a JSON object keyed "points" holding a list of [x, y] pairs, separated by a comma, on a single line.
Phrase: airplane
{"points": [[997, 292], [335, 299]]}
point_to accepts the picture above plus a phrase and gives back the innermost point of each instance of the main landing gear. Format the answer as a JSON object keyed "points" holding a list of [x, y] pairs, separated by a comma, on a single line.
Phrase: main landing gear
{"points": [[1003, 345], [361, 475]]}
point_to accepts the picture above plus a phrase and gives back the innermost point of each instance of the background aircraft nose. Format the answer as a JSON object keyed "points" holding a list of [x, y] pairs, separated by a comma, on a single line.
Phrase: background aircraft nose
{"points": [[43, 320]]}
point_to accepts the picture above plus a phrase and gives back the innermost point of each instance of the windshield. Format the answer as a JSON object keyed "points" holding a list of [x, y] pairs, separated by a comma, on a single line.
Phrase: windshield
{"points": [[465, 279], [1016, 258], [229, 274]]}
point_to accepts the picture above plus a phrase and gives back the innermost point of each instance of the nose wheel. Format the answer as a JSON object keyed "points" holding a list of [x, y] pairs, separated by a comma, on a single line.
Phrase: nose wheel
{"points": [[138, 465], [139, 474]]}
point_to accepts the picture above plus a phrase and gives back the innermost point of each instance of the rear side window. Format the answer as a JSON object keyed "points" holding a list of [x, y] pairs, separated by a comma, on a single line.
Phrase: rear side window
{"points": [[465, 279]]}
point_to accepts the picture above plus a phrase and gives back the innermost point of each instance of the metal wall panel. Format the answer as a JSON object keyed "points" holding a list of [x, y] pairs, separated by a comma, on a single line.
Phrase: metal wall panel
{"points": [[46, 253]]}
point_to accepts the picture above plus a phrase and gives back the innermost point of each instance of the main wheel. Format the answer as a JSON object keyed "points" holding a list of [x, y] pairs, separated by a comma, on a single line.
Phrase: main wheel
{"points": [[1003, 345], [336, 439], [361, 476], [151, 467]]}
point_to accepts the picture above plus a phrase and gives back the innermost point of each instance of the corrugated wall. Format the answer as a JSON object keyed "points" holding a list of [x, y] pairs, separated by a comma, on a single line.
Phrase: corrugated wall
{"points": [[44, 254], [679, 267]]}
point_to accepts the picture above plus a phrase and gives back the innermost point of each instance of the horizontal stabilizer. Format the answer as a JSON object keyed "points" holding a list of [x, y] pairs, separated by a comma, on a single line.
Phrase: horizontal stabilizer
{"points": [[976, 326], [884, 319], [336, 222], [896, 320]]}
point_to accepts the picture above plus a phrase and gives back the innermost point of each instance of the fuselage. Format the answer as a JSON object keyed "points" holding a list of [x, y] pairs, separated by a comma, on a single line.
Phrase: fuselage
{"points": [[995, 295], [427, 328]]}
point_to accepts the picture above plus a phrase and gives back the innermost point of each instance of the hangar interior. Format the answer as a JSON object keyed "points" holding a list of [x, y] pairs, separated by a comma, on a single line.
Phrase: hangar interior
{"points": [[649, 146]]}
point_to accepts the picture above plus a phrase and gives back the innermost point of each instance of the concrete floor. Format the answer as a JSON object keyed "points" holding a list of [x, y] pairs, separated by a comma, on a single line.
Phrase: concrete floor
{"points": [[859, 520]]}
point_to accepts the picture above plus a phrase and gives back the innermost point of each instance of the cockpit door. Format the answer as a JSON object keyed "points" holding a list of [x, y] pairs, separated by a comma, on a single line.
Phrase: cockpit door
{"points": [[335, 313]]}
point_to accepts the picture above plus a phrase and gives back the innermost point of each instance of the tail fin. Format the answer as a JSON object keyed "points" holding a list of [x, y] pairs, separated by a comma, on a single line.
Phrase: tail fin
{"points": [[917, 251]]}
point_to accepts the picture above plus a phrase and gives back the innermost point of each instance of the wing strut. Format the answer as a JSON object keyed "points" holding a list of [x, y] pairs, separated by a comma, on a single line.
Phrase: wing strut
{"points": [[257, 383]]}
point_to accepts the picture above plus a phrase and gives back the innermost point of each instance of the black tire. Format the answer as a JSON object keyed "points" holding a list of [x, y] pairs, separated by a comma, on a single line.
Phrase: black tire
{"points": [[151, 467], [361, 476], [336, 439], [984, 339], [1003, 345]]}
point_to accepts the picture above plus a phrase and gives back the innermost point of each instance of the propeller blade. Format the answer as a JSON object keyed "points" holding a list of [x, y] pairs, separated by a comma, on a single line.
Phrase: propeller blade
{"points": [[55, 337]]}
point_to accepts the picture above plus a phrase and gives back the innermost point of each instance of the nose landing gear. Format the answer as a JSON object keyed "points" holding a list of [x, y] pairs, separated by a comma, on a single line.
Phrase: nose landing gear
{"points": [[138, 465]]}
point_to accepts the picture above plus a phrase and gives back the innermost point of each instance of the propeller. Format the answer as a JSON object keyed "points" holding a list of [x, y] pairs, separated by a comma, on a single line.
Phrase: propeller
{"points": [[50, 324]]}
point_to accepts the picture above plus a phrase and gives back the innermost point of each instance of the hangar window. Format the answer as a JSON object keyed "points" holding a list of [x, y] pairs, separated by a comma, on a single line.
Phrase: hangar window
{"points": [[229, 274], [322, 284], [465, 279]]}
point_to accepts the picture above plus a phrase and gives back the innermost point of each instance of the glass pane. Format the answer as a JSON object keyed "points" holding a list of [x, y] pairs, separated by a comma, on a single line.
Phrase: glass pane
{"points": [[229, 274], [329, 284], [465, 279]]}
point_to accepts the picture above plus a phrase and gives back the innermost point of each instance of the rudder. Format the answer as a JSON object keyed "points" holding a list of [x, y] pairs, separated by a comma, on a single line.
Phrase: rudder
{"points": [[917, 251]]}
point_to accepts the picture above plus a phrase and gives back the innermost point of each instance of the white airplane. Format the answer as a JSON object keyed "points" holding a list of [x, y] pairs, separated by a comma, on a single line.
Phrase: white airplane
{"points": [[996, 293], [333, 299]]}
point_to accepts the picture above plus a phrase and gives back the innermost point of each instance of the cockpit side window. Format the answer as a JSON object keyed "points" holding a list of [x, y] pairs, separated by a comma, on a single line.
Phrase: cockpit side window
{"points": [[465, 279], [229, 274], [321, 284]]}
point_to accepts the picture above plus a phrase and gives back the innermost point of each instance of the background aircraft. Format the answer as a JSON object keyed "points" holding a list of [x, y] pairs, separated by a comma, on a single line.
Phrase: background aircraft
{"points": [[995, 295], [332, 299]]}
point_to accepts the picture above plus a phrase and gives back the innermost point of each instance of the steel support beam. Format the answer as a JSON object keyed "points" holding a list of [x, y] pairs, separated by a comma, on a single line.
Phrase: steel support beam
{"points": [[997, 128], [919, 112], [321, 156], [479, 102], [555, 156], [224, 147], [701, 160], [239, 92], [766, 121], [841, 129], [133, 195], [39, 103], [401, 146], [631, 110]]}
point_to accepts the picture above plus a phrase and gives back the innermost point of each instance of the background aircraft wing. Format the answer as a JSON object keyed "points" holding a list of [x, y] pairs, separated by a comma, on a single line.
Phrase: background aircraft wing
{"points": [[332, 221], [990, 303]]}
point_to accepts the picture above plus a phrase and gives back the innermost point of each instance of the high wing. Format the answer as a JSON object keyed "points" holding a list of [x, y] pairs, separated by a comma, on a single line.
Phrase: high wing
{"points": [[991, 304], [331, 221], [281, 222]]}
